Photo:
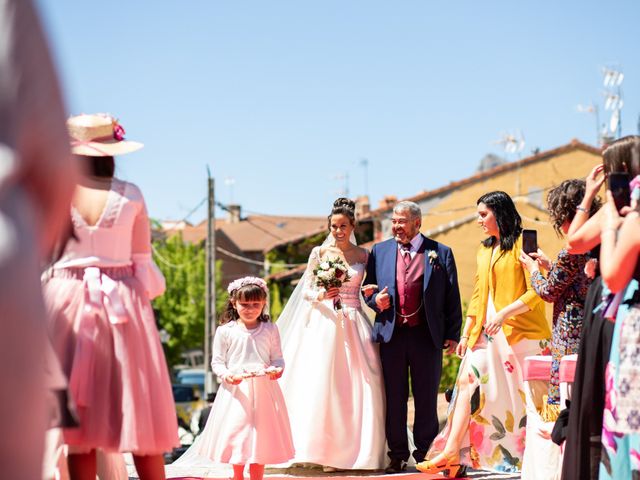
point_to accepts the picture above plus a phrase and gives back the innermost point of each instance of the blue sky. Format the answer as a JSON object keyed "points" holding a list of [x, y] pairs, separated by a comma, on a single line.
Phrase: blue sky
{"points": [[284, 96]]}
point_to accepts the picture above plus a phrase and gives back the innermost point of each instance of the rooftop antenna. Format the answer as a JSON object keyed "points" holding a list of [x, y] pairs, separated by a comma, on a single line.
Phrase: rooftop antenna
{"points": [[512, 143], [344, 191], [364, 163], [612, 81], [592, 109], [230, 182]]}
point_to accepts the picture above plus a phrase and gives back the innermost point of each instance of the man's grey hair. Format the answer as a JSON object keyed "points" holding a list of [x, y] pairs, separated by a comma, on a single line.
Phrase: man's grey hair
{"points": [[411, 207]]}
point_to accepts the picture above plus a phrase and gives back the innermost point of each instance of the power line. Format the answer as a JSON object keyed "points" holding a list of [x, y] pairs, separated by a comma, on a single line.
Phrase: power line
{"points": [[165, 261], [256, 262], [184, 219]]}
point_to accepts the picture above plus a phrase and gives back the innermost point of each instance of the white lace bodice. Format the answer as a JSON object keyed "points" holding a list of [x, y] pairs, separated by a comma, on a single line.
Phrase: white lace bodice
{"points": [[349, 291], [121, 237]]}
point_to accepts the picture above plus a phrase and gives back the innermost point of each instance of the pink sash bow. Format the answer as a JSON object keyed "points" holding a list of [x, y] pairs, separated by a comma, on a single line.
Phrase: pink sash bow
{"points": [[101, 299]]}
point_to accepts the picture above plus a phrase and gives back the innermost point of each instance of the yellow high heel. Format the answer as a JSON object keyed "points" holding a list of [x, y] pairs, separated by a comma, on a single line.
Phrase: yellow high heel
{"points": [[450, 466]]}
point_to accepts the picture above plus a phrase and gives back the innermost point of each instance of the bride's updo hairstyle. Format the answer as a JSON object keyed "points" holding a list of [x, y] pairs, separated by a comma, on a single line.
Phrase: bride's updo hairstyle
{"points": [[346, 207]]}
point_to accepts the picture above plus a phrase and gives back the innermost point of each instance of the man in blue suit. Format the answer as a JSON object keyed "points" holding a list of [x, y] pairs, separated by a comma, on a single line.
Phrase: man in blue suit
{"points": [[418, 314]]}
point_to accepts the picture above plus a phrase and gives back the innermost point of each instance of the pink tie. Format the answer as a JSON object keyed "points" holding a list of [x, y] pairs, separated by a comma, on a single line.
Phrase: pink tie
{"points": [[406, 253]]}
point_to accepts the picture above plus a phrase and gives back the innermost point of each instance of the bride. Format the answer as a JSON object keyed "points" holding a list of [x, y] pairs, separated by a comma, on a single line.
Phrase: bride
{"points": [[332, 382]]}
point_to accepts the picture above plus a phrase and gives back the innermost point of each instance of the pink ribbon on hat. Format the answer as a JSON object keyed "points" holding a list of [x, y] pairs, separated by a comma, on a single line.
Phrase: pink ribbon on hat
{"points": [[118, 134], [101, 299], [87, 143]]}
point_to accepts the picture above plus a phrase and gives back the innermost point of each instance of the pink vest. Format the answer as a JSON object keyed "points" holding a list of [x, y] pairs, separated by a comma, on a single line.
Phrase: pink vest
{"points": [[409, 285]]}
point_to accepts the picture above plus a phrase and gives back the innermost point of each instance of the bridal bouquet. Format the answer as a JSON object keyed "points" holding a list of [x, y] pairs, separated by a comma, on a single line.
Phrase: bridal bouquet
{"points": [[332, 274]]}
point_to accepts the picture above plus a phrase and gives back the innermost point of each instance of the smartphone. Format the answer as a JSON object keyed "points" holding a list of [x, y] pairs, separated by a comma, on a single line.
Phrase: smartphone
{"points": [[529, 241], [618, 183]]}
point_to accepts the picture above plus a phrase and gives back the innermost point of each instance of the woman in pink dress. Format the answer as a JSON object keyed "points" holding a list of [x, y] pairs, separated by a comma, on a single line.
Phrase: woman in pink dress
{"points": [[101, 322]]}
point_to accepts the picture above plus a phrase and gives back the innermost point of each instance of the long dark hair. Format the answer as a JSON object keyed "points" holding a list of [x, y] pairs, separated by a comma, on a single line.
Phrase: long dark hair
{"points": [[507, 218], [104, 167], [623, 155], [246, 293]]}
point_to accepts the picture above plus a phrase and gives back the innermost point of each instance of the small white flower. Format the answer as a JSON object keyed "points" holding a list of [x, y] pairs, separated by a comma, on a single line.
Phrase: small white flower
{"points": [[324, 275], [433, 256], [325, 266]]}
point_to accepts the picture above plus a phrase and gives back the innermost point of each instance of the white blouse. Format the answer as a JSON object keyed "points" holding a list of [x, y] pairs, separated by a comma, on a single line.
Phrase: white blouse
{"points": [[237, 350]]}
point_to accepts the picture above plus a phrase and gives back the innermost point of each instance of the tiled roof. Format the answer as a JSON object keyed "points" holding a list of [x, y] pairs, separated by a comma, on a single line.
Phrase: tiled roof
{"points": [[575, 144], [257, 233]]}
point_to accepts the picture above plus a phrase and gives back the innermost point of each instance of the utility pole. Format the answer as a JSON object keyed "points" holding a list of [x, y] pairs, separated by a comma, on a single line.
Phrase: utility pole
{"points": [[210, 289]]}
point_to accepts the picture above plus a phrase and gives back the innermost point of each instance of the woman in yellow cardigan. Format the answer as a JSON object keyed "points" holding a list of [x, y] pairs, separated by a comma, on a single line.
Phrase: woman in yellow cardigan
{"points": [[505, 323]]}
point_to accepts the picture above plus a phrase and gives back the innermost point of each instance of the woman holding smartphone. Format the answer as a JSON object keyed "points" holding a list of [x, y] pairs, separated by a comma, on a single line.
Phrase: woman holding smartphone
{"points": [[565, 284], [505, 323], [583, 447], [619, 253]]}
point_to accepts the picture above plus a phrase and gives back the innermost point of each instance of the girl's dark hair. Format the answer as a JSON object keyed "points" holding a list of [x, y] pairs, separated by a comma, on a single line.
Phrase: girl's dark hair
{"points": [[346, 207], [507, 218], [246, 293], [100, 166], [623, 155], [563, 200]]}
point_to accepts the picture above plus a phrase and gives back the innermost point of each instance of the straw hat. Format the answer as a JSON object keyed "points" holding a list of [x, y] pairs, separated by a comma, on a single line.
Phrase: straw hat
{"points": [[99, 135]]}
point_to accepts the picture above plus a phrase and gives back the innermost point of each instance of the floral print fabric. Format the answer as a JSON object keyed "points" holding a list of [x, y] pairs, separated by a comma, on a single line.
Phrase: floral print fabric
{"points": [[621, 419], [566, 287], [495, 438]]}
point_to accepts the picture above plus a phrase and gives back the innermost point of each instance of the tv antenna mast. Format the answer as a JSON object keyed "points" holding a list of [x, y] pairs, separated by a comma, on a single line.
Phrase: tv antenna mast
{"points": [[593, 110], [512, 143], [364, 163], [612, 81], [344, 191], [230, 182]]}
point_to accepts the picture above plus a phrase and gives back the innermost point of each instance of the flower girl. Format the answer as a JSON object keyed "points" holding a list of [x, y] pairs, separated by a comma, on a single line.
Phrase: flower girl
{"points": [[248, 422]]}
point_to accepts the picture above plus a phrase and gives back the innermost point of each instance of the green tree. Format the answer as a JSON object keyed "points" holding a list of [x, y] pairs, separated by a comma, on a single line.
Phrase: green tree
{"points": [[181, 309]]}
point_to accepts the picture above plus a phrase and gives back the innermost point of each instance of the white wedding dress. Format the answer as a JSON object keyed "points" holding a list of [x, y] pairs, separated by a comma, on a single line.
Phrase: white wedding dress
{"points": [[332, 382]]}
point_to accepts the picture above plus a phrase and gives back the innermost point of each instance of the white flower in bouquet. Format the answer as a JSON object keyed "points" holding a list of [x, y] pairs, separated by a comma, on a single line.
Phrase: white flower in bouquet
{"points": [[332, 273], [325, 276]]}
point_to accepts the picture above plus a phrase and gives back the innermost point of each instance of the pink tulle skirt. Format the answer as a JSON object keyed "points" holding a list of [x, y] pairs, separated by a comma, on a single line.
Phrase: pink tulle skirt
{"points": [[104, 333]]}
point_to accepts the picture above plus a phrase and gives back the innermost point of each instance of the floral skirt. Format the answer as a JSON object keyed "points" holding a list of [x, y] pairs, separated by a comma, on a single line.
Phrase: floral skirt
{"points": [[565, 341], [621, 418], [495, 436]]}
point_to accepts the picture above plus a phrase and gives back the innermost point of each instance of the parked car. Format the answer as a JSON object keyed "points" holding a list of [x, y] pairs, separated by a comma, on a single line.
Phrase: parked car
{"points": [[190, 359], [192, 376], [188, 400]]}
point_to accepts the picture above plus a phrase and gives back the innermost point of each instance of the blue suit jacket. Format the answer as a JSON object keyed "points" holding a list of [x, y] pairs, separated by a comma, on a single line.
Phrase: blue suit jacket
{"points": [[441, 294]]}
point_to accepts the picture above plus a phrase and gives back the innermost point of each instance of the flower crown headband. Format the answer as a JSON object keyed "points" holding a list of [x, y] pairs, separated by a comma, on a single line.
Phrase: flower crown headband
{"points": [[244, 281]]}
